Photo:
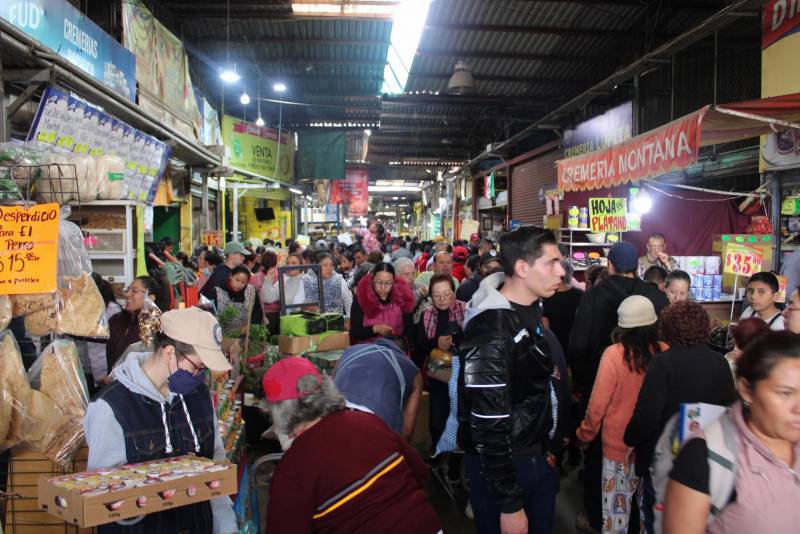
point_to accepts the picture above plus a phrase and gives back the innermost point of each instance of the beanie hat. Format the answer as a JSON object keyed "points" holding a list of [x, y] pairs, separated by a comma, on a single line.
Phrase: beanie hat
{"points": [[624, 257], [636, 311]]}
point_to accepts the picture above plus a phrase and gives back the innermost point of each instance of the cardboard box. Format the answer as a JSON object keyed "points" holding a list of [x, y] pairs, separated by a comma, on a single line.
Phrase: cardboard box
{"points": [[294, 345], [95, 507]]}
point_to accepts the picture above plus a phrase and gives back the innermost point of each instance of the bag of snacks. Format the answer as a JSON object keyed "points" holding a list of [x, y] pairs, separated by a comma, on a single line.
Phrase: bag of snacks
{"points": [[26, 304], [15, 392], [83, 312], [149, 321], [73, 259], [58, 374], [6, 309]]}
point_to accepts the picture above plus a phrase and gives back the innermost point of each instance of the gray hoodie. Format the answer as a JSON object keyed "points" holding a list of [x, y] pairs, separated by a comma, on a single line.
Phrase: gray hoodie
{"points": [[487, 297], [107, 444]]}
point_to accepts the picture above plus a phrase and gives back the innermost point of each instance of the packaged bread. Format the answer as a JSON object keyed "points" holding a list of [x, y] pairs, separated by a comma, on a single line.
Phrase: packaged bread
{"points": [[59, 182], [110, 177], [84, 311], [44, 421], [15, 392], [86, 168], [25, 304], [42, 322], [59, 375], [6, 310]]}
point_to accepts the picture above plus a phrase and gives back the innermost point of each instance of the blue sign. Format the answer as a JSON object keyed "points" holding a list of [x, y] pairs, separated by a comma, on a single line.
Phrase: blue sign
{"points": [[72, 35], [606, 130], [331, 213], [514, 224]]}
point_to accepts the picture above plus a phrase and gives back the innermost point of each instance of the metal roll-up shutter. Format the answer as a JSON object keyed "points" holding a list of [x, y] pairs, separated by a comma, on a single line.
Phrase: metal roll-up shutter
{"points": [[527, 179]]}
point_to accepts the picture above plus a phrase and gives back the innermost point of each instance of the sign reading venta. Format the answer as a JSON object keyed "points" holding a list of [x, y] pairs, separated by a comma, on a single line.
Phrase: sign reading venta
{"points": [[608, 214], [72, 35], [670, 147]]}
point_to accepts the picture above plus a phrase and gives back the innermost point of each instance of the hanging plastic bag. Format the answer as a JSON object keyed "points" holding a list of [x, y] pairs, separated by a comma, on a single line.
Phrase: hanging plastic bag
{"points": [[110, 177], [73, 259], [59, 181], [58, 374], [15, 392], [149, 321], [22, 164], [6, 309], [83, 312], [86, 168], [22, 305]]}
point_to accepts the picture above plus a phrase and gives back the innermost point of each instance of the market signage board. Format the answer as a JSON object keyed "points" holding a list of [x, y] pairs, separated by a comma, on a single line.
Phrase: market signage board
{"points": [[71, 124], [665, 149], [611, 128], [780, 39], [72, 35], [28, 249], [353, 191], [742, 260], [212, 238], [256, 149], [608, 214]]}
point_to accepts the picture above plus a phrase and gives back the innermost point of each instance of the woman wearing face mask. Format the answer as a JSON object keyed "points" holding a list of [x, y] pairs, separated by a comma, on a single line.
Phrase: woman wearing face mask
{"points": [[158, 407], [242, 297], [766, 430], [335, 290], [383, 307], [124, 326]]}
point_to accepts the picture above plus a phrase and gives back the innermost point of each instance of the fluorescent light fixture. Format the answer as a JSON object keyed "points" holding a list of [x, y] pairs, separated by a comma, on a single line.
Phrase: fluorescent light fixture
{"points": [[259, 121], [643, 202], [295, 191], [429, 171], [352, 8], [229, 75], [394, 189], [407, 25], [368, 132], [245, 98], [279, 87]]}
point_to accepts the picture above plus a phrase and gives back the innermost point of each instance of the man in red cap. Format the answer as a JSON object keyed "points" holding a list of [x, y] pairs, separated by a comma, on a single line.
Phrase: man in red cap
{"points": [[346, 471], [460, 255], [475, 241]]}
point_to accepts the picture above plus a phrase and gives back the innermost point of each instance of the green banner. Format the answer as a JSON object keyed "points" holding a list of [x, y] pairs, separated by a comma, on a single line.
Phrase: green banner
{"points": [[256, 149], [321, 155]]}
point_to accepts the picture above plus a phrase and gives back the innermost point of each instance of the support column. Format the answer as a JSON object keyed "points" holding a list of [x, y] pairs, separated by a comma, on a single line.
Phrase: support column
{"points": [[235, 200], [775, 216]]}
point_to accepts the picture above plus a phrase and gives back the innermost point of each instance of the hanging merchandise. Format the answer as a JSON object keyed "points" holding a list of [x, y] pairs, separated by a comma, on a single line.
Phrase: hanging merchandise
{"points": [[488, 186], [111, 160]]}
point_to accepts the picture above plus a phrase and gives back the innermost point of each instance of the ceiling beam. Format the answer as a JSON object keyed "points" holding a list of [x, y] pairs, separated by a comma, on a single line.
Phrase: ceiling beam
{"points": [[694, 5], [494, 78], [264, 61], [469, 100], [215, 43], [530, 30], [519, 56]]}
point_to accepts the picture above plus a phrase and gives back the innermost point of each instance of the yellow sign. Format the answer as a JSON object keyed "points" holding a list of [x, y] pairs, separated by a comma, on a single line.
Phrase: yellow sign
{"points": [[28, 249], [212, 238], [256, 149], [608, 214], [742, 260]]}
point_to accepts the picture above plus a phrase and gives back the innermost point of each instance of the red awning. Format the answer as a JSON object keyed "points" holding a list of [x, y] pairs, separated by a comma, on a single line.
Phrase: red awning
{"points": [[676, 145]]}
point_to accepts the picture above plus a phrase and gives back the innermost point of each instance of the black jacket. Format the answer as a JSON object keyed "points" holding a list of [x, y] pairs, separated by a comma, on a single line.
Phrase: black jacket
{"points": [[680, 374], [596, 319], [468, 286], [504, 401]]}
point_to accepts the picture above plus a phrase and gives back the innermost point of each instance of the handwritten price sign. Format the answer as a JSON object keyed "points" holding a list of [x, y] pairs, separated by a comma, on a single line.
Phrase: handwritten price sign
{"points": [[28, 249], [743, 260]]}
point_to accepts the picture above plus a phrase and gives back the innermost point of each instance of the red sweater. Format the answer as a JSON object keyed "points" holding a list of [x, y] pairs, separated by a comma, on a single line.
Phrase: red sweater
{"points": [[350, 473], [616, 390]]}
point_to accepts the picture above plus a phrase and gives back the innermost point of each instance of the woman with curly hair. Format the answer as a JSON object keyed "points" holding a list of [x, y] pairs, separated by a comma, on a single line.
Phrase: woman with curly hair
{"points": [[690, 371]]}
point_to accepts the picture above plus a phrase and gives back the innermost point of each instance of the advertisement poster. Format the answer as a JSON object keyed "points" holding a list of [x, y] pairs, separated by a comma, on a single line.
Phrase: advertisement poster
{"points": [[28, 249], [741, 259], [608, 214], [72, 35], [611, 128], [68, 123], [162, 66], [353, 191], [256, 149], [780, 41]]}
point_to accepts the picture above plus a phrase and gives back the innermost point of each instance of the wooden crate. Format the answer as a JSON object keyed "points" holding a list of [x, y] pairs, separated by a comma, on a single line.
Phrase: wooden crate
{"points": [[23, 515]]}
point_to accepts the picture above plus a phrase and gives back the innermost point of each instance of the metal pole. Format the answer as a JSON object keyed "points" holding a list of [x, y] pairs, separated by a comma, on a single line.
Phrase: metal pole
{"points": [[3, 124], [637, 104], [204, 202], [672, 91], [235, 199], [775, 216]]}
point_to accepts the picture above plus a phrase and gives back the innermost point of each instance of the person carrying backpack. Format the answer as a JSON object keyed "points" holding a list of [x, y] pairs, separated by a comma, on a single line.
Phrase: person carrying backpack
{"points": [[742, 473]]}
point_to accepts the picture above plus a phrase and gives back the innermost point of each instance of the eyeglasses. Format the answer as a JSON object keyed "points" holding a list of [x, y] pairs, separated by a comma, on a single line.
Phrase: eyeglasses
{"points": [[133, 290], [197, 368], [442, 296], [384, 284]]}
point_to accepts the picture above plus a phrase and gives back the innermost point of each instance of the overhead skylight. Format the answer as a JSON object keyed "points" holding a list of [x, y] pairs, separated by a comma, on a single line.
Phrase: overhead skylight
{"points": [[345, 8], [407, 25]]}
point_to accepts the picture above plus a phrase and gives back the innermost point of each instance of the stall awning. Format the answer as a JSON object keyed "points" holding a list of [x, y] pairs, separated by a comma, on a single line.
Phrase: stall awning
{"points": [[676, 145]]}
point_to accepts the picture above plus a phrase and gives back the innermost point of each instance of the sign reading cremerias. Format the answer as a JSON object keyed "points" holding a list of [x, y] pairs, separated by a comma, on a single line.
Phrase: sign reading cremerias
{"points": [[671, 147], [608, 214], [28, 249], [72, 35]]}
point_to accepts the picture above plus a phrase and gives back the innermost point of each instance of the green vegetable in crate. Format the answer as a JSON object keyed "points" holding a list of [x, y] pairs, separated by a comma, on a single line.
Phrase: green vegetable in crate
{"points": [[226, 319]]}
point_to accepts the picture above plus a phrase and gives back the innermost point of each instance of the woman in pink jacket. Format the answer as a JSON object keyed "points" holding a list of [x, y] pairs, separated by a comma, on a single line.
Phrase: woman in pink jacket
{"points": [[616, 389]]}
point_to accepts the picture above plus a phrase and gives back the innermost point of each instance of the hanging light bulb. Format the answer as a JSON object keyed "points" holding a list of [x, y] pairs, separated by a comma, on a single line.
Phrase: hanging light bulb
{"points": [[245, 98], [259, 120], [230, 75]]}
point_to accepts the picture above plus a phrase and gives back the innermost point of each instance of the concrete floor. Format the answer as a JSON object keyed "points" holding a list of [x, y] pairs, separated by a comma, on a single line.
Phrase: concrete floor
{"points": [[568, 504]]}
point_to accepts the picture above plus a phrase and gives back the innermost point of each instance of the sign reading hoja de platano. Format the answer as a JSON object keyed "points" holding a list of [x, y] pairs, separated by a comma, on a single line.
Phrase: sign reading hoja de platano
{"points": [[608, 214], [670, 147], [28, 249]]}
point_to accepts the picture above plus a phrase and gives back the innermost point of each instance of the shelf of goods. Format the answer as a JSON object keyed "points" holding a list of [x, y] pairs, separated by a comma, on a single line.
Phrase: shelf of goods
{"points": [[566, 236], [110, 230], [226, 394]]}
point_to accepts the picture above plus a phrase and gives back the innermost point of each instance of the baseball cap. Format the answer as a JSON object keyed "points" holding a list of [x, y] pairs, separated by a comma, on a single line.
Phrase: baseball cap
{"points": [[490, 255], [635, 311], [280, 381], [624, 256], [199, 329], [460, 253], [474, 237], [234, 247]]}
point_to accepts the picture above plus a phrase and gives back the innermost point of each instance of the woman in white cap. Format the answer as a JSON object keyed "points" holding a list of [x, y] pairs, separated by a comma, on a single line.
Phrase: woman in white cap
{"points": [[159, 406], [614, 396]]}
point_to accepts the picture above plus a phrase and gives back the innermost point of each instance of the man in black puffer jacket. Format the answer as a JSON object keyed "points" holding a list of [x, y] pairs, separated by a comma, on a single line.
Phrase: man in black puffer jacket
{"points": [[508, 389]]}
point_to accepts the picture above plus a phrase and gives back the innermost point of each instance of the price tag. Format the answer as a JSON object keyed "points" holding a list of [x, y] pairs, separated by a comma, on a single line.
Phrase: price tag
{"points": [[28, 249], [742, 260]]}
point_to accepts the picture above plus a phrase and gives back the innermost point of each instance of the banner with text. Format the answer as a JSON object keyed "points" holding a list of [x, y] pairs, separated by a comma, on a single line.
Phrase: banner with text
{"points": [[73, 125], [28, 249], [608, 214], [665, 149], [353, 191], [780, 42], [613, 127], [256, 149], [72, 35]]}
